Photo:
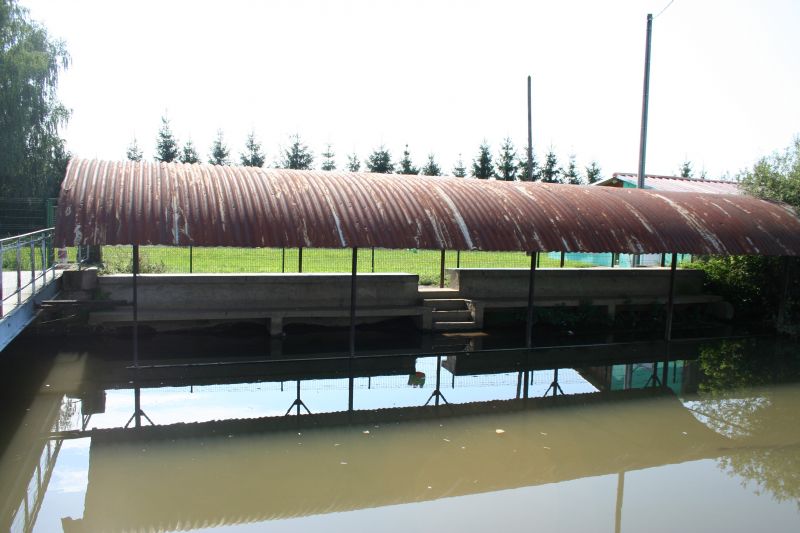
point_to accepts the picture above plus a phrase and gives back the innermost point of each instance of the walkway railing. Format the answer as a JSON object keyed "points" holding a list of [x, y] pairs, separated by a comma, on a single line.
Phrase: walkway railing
{"points": [[26, 266]]}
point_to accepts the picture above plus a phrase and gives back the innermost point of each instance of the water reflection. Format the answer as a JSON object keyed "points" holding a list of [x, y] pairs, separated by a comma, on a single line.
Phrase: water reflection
{"points": [[184, 443]]}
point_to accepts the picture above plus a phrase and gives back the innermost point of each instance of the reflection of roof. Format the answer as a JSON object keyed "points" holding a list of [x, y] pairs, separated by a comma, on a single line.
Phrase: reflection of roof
{"points": [[103, 202], [675, 183], [193, 475]]}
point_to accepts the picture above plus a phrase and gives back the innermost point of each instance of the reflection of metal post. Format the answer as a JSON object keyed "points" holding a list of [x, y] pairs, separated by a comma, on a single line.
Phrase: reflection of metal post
{"points": [[620, 497], [297, 403], [135, 268], [671, 297], [436, 392], [137, 406], [441, 270], [554, 386]]}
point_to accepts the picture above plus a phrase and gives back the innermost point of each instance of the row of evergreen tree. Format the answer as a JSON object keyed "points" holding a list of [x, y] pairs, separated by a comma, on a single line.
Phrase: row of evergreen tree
{"points": [[509, 165]]}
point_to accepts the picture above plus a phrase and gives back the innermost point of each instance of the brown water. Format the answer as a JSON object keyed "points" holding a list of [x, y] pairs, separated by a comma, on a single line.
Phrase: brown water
{"points": [[708, 442]]}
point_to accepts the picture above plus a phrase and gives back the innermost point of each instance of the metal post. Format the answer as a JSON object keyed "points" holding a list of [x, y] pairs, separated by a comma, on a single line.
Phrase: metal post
{"points": [[191, 260], [530, 136], [529, 317], [663, 260], [538, 260], [351, 381], [353, 302], [33, 266], [373, 259], [2, 298], [283, 260], [44, 261], [19, 272], [671, 297], [441, 271], [458, 258], [135, 269], [562, 260], [645, 102], [300, 259]]}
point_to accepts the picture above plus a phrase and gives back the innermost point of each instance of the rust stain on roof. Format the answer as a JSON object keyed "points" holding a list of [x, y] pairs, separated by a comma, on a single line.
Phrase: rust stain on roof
{"points": [[110, 202]]}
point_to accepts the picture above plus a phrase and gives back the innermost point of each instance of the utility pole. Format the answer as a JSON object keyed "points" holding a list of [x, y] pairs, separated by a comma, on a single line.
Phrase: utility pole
{"points": [[645, 101], [530, 136]]}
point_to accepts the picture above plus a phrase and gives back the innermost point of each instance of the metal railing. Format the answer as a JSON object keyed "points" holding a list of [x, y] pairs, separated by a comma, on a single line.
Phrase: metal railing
{"points": [[25, 262]]}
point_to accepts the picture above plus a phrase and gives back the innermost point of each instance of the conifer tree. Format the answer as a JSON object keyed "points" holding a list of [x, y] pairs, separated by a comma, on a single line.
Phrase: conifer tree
{"points": [[506, 162], [593, 173], [353, 162], [219, 152], [522, 167], [482, 166], [570, 175], [189, 154], [686, 169], [166, 144], [459, 170], [297, 156], [431, 168], [550, 172], [406, 166], [328, 161], [253, 155], [380, 161], [134, 153]]}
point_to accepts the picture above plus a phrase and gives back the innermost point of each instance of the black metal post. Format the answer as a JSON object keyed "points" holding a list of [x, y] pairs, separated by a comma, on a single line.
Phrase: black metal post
{"points": [[458, 258], [663, 260], [137, 406], [191, 259], [135, 268], [437, 393], [300, 259], [441, 270], [529, 316], [529, 170], [373, 259], [538, 260], [671, 297], [283, 260], [354, 272], [562, 260]]}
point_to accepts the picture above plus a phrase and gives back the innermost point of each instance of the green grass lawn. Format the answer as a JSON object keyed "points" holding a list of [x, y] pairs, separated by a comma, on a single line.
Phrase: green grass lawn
{"points": [[425, 263]]}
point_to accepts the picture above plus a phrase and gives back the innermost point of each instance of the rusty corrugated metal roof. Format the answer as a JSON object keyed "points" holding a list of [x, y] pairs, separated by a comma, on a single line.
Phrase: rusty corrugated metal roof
{"points": [[677, 183], [111, 202]]}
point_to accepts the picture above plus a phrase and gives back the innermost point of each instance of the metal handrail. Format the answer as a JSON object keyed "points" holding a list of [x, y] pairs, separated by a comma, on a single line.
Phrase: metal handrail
{"points": [[27, 241]]}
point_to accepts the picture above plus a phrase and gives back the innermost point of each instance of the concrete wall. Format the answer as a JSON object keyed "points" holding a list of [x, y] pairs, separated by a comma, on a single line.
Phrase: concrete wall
{"points": [[570, 283], [261, 291]]}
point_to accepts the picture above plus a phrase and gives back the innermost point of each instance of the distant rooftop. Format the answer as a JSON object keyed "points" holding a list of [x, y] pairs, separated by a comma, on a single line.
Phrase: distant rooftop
{"points": [[672, 183]]}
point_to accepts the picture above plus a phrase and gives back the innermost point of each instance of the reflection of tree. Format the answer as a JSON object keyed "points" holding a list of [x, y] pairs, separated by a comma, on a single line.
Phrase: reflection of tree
{"points": [[773, 470], [734, 401]]}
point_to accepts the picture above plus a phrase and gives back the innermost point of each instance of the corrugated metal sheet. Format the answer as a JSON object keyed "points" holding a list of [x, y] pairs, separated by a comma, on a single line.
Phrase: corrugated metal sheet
{"points": [[678, 184], [108, 202]]}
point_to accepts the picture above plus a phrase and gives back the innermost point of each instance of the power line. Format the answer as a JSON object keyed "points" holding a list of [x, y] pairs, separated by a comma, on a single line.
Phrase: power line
{"points": [[665, 8]]}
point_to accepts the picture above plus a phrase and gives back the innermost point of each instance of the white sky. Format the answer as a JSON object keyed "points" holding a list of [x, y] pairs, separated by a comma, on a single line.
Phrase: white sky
{"points": [[440, 76]]}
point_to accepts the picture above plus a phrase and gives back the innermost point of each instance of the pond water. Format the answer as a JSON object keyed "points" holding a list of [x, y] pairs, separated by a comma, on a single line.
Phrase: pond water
{"points": [[638, 436]]}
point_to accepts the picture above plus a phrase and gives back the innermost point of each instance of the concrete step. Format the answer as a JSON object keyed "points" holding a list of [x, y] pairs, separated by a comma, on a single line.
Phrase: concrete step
{"points": [[455, 326], [442, 304], [427, 293], [455, 315]]}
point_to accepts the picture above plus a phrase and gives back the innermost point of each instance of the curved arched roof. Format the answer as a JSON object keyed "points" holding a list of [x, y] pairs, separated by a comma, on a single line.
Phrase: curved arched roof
{"points": [[110, 202]]}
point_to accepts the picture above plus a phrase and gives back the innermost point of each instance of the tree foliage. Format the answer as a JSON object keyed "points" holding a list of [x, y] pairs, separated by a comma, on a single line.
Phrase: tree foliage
{"points": [[166, 143], [431, 168], [593, 173], [507, 161], [189, 153], [253, 155], [406, 165], [522, 167], [482, 166], [134, 153], [353, 162], [380, 161], [328, 158], [297, 156], [219, 151], [570, 175], [33, 157], [776, 177], [550, 173], [459, 170], [686, 169]]}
